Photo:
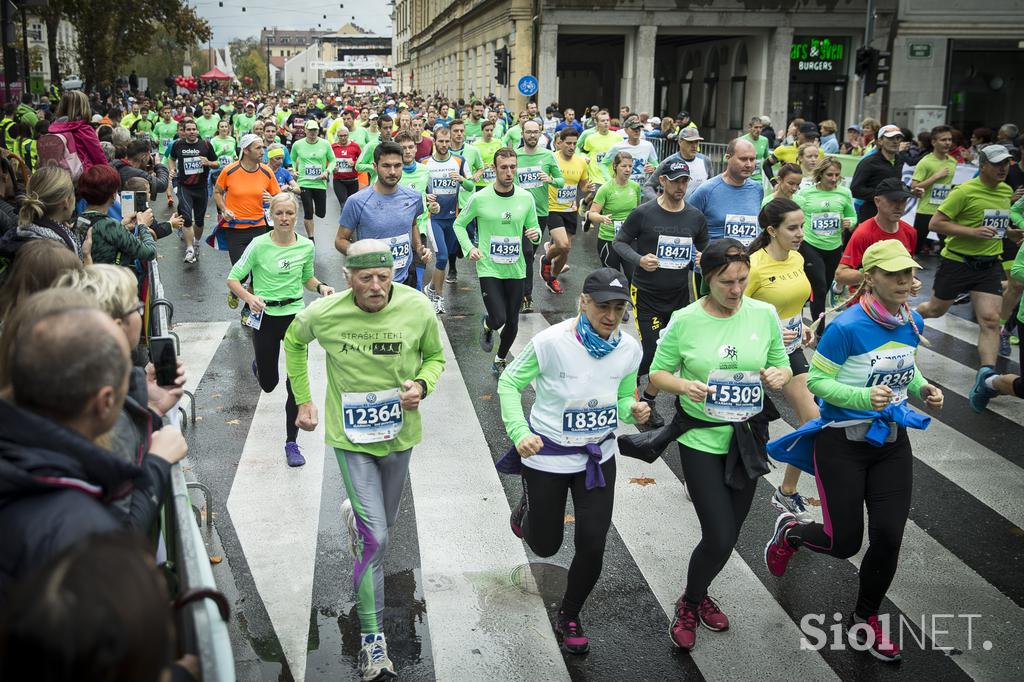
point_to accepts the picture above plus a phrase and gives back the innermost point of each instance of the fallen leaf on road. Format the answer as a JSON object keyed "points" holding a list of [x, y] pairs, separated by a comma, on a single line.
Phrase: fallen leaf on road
{"points": [[215, 395], [814, 501], [643, 480], [569, 518], [486, 396], [215, 559], [199, 419], [231, 421], [1016, 531]]}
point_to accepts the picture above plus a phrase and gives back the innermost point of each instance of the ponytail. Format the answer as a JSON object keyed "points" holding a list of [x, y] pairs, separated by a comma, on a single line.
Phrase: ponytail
{"points": [[48, 190], [772, 214], [32, 209]]}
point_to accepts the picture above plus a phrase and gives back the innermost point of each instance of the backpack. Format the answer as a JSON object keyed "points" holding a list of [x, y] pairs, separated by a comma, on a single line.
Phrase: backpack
{"points": [[61, 150]]}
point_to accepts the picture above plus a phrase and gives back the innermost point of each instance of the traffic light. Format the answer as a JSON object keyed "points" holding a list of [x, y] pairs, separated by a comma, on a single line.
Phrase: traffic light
{"points": [[883, 66], [873, 66], [501, 66], [865, 57]]}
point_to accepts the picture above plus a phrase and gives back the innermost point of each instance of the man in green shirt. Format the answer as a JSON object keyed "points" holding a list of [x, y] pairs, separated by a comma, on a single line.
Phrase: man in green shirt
{"points": [[365, 164], [207, 123], [933, 174], [243, 122], [487, 145], [536, 169], [474, 123], [505, 215], [760, 143], [975, 218], [313, 159], [384, 355], [416, 176], [165, 129]]}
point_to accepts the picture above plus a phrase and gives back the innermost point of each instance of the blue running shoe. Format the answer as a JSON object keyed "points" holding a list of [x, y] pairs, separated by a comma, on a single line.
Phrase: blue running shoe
{"points": [[980, 394]]}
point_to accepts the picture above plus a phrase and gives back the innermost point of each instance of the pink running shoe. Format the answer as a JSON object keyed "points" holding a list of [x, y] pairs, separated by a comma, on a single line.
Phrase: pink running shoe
{"points": [[778, 551], [570, 635], [711, 616], [881, 647], [684, 626]]}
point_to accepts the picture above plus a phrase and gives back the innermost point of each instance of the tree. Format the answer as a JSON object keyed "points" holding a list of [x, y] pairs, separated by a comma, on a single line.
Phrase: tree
{"points": [[242, 47], [51, 14], [253, 65], [165, 57], [113, 32]]}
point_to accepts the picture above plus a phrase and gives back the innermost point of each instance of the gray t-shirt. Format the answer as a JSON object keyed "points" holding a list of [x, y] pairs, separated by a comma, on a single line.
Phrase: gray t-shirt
{"points": [[388, 217]]}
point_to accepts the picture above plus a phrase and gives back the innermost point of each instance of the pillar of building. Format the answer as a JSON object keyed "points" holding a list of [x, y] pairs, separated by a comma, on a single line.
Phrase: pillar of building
{"points": [[547, 65], [522, 50], [643, 75], [776, 99]]}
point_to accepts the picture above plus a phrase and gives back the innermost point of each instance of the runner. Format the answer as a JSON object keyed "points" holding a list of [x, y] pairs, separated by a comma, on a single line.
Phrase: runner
{"points": [[754, 137], [645, 159], [189, 162], [863, 370], [504, 214], [165, 130], [886, 162], [934, 175], [700, 166], [808, 155], [731, 201], [375, 386], [447, 176], [536, 171], [594, 143], [367, 160], [994, 384], [244, 120], [788, 181], [612, 205], [563, 218], [389, 212], [891, 198], [475, 124], [207, 123], [661, 240], [224, 146], [314, 160], [281, 265], [568, 444], [486, 145], [828, 213], [726, 348], [975, 217], [239, 193], [777, 277], [346, 153]]}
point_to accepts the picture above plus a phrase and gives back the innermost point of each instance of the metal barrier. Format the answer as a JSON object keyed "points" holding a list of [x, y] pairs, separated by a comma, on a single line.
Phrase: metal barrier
{"points": [[714, 151], [202, 614]]}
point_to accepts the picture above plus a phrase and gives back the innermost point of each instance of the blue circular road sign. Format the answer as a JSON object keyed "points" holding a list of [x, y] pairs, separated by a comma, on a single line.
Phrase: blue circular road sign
{"points": [[528, 85]]}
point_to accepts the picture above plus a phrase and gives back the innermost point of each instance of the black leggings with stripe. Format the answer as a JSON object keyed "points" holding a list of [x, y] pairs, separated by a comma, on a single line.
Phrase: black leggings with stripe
{"points": [[850, 475], [266, 344]]}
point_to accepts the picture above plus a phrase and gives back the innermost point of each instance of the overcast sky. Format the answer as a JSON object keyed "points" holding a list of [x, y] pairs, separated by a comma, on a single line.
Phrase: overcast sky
{"points": [[230, 22]]}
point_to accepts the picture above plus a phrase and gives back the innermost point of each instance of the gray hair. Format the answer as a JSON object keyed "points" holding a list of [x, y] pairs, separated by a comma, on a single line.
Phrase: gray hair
{"points": [[366, 246]]}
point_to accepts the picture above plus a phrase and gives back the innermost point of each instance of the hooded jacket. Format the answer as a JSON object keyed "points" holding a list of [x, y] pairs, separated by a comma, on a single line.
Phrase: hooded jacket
{"points": [[87, 143], [56, 488]]}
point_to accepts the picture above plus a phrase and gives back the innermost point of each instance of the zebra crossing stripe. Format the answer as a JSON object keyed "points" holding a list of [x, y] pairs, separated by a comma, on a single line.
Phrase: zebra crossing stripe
{"points": [[481, 626], [199, 343], [959, 379]]}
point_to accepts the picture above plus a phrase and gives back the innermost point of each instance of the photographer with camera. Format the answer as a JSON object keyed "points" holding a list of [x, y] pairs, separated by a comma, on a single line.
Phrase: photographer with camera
{"points": [[139, 163]]}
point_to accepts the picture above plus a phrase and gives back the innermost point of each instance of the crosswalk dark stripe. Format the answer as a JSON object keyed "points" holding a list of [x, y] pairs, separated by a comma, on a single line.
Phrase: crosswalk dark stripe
{"points": [[964, 352], [622, 614]]}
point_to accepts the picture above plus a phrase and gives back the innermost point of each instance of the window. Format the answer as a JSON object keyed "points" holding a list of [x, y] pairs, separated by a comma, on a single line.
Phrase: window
{"points": [[738, 89], [710, 100]]}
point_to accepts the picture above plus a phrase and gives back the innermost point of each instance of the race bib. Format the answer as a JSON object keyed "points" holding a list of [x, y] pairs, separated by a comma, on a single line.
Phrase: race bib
{"points": [[343, 165], [566, 195], [371, 417], [743, 228], [825, 224], [193, 165], [505, 250], [401, 249], [737, 397], [674, 253], [795, 323], [529, 177], [488, 175], [895, 371], [441, 182], [997, 219], [224, 161], [617, 224], [939, 193], [589, 420], [312, 171]]}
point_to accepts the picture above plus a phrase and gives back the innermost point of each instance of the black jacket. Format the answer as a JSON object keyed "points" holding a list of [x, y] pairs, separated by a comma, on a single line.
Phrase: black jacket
{"points": [[158, 179], [871, 170], [56, 488]]}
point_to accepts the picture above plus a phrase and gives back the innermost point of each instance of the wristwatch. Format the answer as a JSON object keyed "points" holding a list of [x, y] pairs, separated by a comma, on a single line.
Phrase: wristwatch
{"points": [[423, 385]]}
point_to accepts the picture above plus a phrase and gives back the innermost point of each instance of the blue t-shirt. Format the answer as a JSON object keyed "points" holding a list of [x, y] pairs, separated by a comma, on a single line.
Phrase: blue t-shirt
{"points": [[284, 176], [718, 200], [867, 354], [287, 157], [388, 217]]}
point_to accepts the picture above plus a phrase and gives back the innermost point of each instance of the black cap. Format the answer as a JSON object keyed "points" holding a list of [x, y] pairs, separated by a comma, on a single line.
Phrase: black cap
{"points": [[808, 128], [683, 114], [675, 170], [606, 284], [893, 188], [717, 254]]}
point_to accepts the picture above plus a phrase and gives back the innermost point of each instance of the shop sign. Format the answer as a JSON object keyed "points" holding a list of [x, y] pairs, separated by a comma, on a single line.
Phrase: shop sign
{"points": [[818, 59]]}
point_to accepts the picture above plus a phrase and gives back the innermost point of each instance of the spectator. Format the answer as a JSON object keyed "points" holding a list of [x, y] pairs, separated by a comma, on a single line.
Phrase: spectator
{"points": [[98, 611], [72, 118], [112, 241], [920, 148], [959, 151], [25, 113], [59, 409], [829, 143], [38, 266], [852, 144], [10, 190], [48, 204], [769, 132], [1006, 135], [115, 290], [869, 132], [138, 163], [874, 168]]}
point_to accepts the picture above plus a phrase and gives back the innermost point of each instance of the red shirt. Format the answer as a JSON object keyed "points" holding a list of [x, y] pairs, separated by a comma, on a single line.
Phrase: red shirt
{"points": [[424, 147], [350, 154], [867, 233]]}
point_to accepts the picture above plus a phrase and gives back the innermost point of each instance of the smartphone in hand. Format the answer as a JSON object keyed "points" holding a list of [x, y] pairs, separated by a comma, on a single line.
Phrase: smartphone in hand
{"points": [[164, 358]]}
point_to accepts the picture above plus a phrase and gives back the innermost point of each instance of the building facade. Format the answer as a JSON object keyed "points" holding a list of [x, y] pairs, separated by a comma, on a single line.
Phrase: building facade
{"points": [[720, 62], [351, 57]]}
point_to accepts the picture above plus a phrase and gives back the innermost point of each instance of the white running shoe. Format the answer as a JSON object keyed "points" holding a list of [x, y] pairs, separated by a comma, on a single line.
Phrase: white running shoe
{"points": [[439, 306], [374, 663], [794, 504], [190, 255], [428, 291], [349, 515]]}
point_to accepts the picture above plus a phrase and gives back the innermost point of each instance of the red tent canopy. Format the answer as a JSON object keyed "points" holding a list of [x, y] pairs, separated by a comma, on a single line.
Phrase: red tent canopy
{"points": [[215, 74]]}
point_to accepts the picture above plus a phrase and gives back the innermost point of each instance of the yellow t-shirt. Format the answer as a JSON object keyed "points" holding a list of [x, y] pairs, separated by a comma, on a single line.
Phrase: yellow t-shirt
{"points": [[564, 199], [781, 283]]}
